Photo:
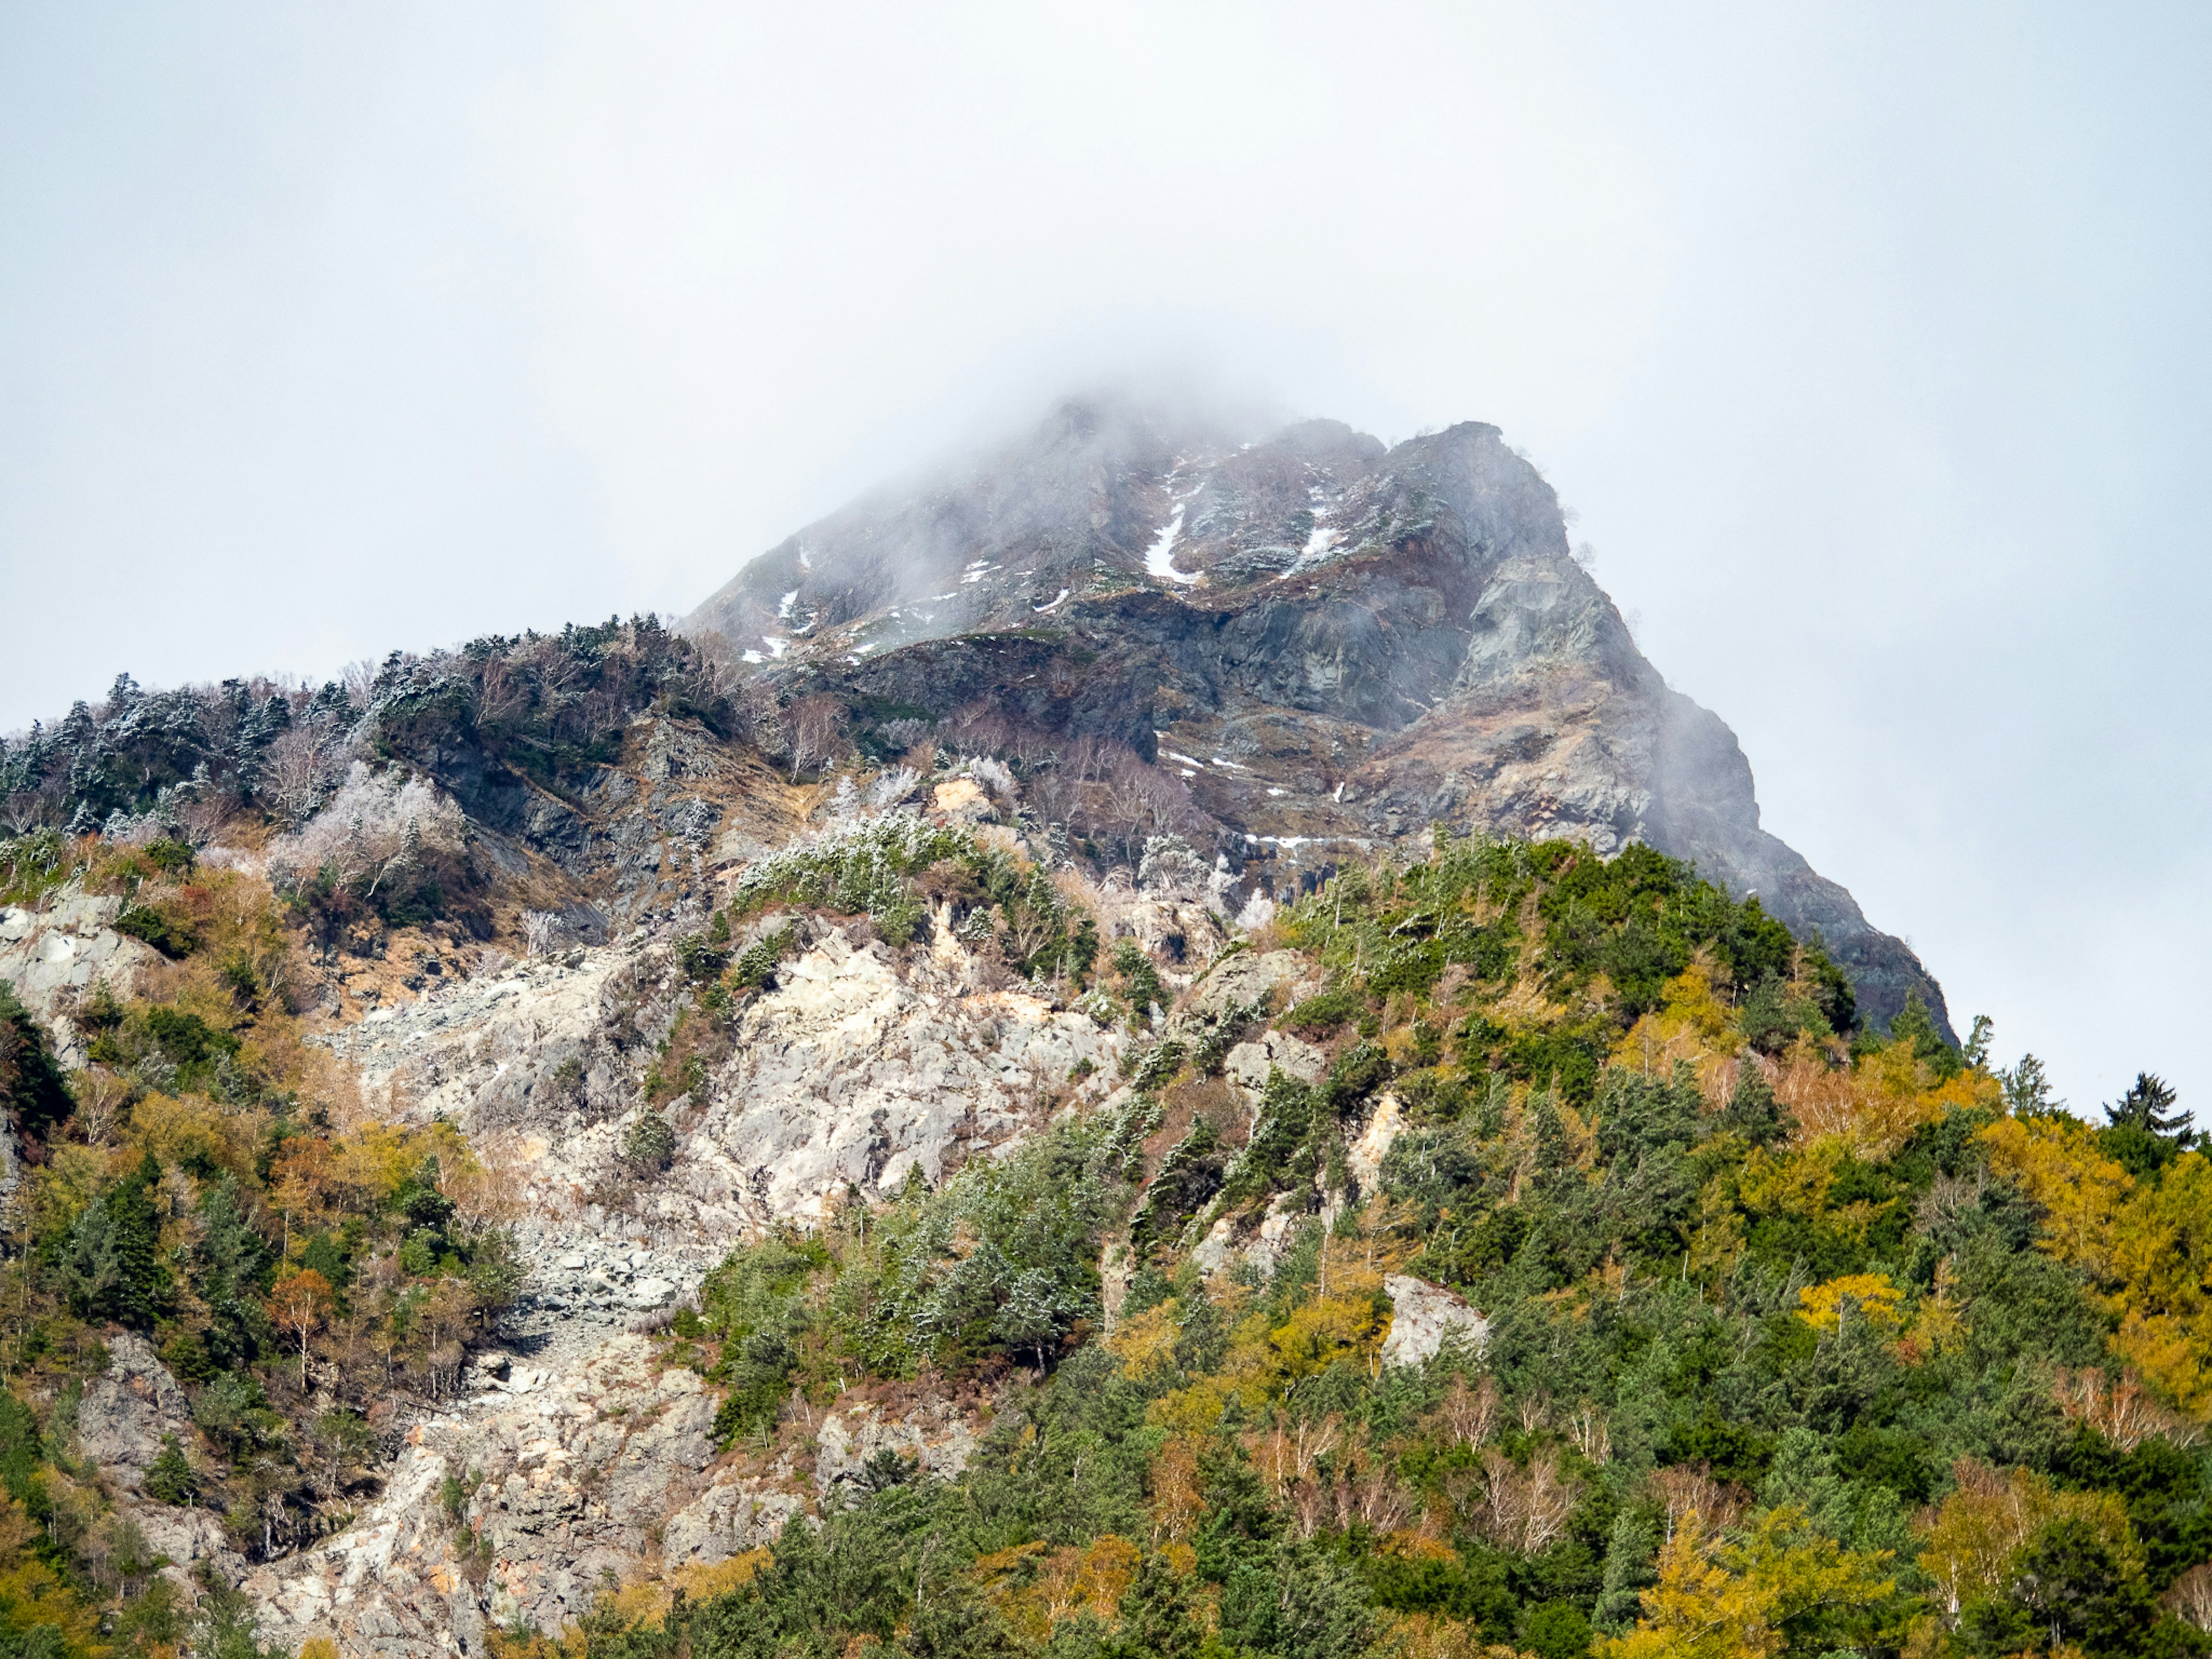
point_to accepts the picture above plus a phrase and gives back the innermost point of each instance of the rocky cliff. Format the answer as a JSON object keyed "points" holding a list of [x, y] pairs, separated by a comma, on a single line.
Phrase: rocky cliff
{"points": [[1332, 644]]}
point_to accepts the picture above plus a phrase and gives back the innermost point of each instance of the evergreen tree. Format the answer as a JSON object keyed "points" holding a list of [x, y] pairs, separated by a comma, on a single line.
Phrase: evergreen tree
{"points": [[169, 1478], [1549, 1132], [92, 1277], [1557, 1630], [1916, 1025], [111, 1265], [1753, 1111], [2148, 1104], [1630, 1554], [33, 1092], [2143, 1132], [1157, 1620], [2028, 1090], [135, 1227], [2070, 1586]]}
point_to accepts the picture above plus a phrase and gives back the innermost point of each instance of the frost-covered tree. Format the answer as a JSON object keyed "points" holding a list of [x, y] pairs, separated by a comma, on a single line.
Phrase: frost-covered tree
{"points": [[377, 826]]}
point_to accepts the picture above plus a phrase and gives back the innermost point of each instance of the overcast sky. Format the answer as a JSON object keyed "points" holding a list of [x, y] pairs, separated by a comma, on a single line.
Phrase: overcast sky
{"points": [[1870, 342]]}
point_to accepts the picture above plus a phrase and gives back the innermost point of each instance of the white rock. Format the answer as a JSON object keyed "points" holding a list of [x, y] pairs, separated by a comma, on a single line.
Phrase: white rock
{"points": [[1424, 1317], [1364, 1158]]}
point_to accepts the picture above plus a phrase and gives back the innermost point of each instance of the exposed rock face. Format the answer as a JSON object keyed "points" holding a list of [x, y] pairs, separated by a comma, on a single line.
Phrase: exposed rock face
{"points": [[1334, 645], [574, 1471], [861, 1063], [601, 1464], [934, 1438], [634, 837], [55, 956], [853, 1071], [1425, 1316], [124, 1414]]}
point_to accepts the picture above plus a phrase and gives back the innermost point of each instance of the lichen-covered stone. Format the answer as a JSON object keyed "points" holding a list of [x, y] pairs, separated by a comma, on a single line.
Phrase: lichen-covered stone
{"points": [[1425, 1316]]}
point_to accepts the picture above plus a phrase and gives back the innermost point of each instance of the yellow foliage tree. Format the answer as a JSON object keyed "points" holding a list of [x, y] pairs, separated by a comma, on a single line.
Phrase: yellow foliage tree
{"points": [[2161, 1262], [1432, 1636], [1715, 1599], [2056, 1163], [1873, 1108], [1871, 1295], [1691, 1024], [31, 1595], [1144, 1342], [1971, 1539], [1061, 1582], [2144, 1246], [194, 1131]]}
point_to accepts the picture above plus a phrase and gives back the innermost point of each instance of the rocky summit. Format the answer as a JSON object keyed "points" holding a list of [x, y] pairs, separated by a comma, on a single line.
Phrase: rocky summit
{"points": [[1334, 645]]}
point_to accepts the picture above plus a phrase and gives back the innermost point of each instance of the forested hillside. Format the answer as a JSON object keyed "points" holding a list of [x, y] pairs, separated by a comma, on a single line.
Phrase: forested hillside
{"points": [[207, 1189], [1507, 1250], [1800, 1340]]}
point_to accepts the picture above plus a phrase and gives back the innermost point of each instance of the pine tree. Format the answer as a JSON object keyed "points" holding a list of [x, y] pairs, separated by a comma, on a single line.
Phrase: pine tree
{"points": [[33, 1092], [2148, 1104], [1548, 1131], [2143, 1132], [1753, 1111], [135, 1228], [1156, 1614], [1916, 1025]]}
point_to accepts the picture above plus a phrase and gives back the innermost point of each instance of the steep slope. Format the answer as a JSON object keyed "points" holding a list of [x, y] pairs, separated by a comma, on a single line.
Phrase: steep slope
{"points": [[1332, 644]]}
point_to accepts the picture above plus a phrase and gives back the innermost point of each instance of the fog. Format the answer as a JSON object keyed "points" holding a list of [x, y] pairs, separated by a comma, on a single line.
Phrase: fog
{"points": [[1870, 344]]}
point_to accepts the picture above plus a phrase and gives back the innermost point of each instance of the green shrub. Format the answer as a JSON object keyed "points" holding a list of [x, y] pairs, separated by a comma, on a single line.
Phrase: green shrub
{"points": [[650, 1145], [755, 965], [171, 937], [1318, 1016], [1140, 979]]}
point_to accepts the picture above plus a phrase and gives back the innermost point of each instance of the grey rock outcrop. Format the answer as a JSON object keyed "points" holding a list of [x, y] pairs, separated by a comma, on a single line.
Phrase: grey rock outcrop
{"points": [[932, 1438], [1424, 1318], [860, 1063], [581, 1471], [126, 1412], [55, 956]]}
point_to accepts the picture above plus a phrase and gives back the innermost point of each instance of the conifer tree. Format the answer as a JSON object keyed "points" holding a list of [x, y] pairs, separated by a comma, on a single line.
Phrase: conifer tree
{"points": [[2148, 1104], [136, 1231], [2143, 1132], [33, 1092], [1156, 1614], [169, 1478]]}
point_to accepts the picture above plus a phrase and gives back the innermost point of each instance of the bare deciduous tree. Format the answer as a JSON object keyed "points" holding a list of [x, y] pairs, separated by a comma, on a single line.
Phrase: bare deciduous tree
{"points": [[2190, 1598], [811, 728], [1524, 1511]]}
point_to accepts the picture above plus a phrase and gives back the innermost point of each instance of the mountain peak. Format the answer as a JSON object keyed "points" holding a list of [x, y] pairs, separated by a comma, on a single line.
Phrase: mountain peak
{"points": [[1332, 644]]}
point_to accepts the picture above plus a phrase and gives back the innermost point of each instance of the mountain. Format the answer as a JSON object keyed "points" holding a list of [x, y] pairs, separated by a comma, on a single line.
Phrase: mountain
{"points": [[1166, 1047], [1334, 645]]}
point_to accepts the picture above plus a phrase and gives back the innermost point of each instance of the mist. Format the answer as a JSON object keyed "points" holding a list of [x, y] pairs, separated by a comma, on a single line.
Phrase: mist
{"points": [[1869, 346]]}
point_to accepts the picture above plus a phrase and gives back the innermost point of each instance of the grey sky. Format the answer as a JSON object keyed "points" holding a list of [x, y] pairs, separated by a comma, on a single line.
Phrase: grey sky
{"points": [[1870, 342]]}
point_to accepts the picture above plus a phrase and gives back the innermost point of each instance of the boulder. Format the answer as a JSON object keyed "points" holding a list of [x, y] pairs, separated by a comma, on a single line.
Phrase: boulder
{"points": [[1425, 1316]]}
